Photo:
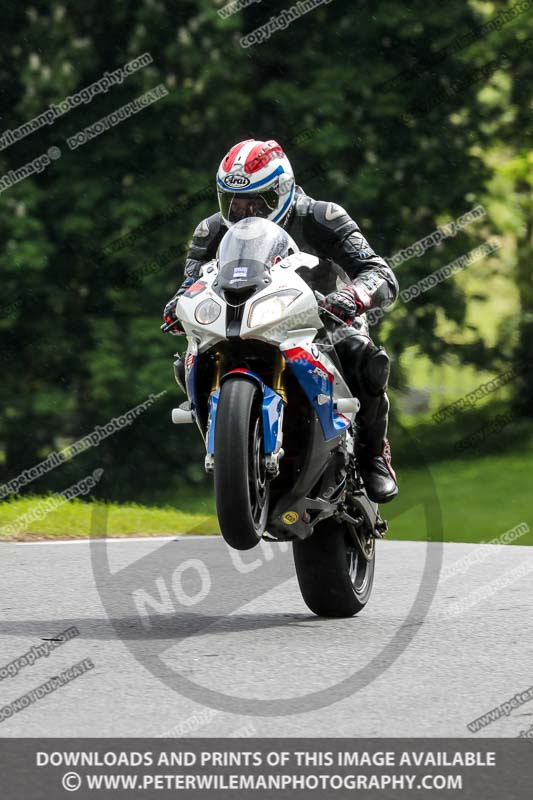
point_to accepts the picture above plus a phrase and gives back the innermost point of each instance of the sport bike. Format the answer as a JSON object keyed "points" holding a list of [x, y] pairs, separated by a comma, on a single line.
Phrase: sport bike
{"points": [[266, 390]]}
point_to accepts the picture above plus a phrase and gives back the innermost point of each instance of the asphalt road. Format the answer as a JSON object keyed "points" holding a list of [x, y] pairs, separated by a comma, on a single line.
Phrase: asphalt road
{"points": [[173, 622]]}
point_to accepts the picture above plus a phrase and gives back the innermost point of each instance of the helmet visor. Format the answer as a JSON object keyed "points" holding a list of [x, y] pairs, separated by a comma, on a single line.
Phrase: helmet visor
{"points": [[235, 206]]}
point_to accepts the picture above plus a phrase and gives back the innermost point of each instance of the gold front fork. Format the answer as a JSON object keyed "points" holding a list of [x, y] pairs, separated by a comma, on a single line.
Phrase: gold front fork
{"points": [[219, 366], [278, 379]]}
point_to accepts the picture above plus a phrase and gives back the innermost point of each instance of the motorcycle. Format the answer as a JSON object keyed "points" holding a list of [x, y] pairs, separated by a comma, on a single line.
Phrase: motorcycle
{"points": [[266, 390]]}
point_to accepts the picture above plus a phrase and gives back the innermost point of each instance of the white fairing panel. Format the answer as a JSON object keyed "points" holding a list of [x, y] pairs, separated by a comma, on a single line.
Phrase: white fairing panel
{"points": [[205, 335], [302, 311]]}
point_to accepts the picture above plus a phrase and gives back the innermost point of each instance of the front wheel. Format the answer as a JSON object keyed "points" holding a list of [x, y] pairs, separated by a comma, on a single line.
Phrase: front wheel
{"points": [[335, 579], [241, 487]]}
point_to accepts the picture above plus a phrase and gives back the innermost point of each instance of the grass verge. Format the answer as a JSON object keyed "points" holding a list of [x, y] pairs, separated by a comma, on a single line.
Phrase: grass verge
{"points": [[479, 500]]}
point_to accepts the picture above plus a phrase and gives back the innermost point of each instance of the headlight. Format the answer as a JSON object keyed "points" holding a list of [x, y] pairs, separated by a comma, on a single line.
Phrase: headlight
{"points": [[271, 308], [207, 312]]}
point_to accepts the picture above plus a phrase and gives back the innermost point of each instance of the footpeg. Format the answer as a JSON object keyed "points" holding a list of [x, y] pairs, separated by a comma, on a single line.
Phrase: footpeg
{"points": [[182, 415], [348, 405]]}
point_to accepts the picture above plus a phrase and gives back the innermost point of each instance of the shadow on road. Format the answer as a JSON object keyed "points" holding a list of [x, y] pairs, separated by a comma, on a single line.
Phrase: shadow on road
{"points": [[165, 626]]}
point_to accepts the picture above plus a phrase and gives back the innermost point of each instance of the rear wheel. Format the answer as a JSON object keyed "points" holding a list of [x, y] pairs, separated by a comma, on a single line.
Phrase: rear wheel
{"points": [[241, 486], [335, 578]]}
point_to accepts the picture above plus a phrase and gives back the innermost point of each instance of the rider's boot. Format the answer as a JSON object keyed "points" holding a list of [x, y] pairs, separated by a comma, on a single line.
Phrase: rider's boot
{"points": [[366, 368], [378, 475], [373, 452]]}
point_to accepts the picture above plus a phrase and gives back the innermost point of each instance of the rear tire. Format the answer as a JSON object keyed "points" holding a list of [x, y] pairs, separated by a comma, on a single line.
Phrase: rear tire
{"points": [[335, 580], [241, 487]]}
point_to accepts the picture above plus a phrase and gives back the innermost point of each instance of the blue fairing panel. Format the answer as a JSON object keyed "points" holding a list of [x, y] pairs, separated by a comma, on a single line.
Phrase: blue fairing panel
{"points": [[271, 413], [317, 383], [190, 379], [210, 438], [272, 408]]}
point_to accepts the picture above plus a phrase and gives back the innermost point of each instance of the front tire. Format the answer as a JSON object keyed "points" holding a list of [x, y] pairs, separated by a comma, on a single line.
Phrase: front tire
{"points": [[241, 487], [335, 580]]}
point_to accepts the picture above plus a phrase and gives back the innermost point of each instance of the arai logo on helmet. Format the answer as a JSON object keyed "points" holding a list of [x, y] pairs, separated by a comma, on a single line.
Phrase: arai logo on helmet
{"points": [[236, 181]]}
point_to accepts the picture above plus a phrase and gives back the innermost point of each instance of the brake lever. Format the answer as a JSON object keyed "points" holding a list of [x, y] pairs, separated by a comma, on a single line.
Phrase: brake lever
{"points": [[320, 299]]}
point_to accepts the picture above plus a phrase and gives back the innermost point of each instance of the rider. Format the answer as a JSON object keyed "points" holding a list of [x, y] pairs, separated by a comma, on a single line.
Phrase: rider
{"points": [[255, 179]]}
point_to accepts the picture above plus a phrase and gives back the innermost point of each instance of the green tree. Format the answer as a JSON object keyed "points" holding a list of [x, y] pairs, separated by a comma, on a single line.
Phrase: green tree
{"points": [[79, 328]]}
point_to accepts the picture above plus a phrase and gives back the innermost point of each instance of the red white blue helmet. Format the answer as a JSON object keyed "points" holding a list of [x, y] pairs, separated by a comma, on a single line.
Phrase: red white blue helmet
{"points": [[255, 179]]}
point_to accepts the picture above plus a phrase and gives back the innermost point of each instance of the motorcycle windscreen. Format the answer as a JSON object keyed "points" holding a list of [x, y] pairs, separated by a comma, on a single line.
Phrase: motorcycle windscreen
{"points": [[248, 251], [326, 277]]}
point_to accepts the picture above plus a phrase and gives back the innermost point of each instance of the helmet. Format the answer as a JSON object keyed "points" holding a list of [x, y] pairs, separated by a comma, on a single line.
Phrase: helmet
{"points": [[255, 179]]}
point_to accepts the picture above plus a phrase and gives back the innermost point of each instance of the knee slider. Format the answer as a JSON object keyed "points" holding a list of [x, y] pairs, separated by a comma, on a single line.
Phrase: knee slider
{"points": [[376, 370]]}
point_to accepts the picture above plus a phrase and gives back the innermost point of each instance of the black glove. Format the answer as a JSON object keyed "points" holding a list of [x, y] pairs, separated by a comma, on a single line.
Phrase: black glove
{"points": [[170, 318], [345, 304]]}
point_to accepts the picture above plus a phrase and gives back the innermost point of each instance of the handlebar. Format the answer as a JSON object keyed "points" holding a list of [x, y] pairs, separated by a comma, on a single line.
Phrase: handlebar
{"points": [[167, 328]]}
